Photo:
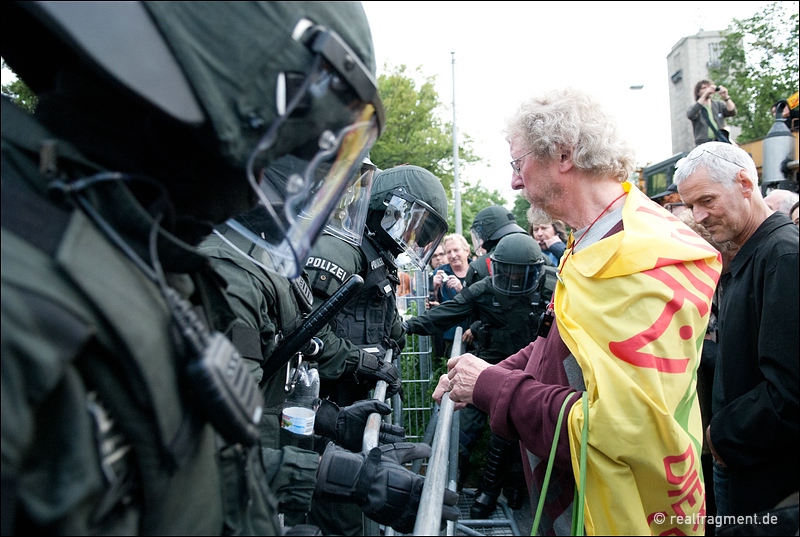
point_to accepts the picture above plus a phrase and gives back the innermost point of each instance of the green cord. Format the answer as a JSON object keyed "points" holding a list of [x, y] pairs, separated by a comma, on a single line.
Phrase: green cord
{"points": [[580, 492], [543, 494]]}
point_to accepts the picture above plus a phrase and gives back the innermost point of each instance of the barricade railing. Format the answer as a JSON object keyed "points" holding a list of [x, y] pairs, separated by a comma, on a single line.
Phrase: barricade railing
{"points": [[371, 439], [440, 474]]}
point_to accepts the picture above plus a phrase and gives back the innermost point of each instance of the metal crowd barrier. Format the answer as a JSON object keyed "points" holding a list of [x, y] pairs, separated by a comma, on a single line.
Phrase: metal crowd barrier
{"points": [[436, 425], [440, 467]]}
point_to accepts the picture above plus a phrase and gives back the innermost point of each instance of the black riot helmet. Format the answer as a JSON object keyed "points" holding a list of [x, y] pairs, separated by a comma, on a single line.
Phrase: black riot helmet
{"points": [[516, 264], [407, 211], [214, 94], [490, 225]]}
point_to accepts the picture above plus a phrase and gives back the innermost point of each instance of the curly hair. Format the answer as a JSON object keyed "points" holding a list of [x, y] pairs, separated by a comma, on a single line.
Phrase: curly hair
{"points": [[568, 120]]}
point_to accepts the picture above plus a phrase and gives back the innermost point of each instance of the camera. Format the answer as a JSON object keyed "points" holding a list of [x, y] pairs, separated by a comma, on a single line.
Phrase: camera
{"points": [[717, 88]]}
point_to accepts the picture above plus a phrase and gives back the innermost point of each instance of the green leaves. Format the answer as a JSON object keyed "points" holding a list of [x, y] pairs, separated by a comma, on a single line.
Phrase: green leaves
{"points": [[759, 66], [419, 133], [19, 92]]}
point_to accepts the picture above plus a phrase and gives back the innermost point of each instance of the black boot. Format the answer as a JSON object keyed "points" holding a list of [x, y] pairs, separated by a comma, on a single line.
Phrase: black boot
{"points": [[514, 487], [489, 489]]}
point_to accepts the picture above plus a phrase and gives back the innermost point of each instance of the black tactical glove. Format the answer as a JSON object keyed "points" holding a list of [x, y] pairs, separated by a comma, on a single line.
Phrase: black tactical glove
{"points": [[397, 345], [377, 482], [372, 369], [345, 426]]}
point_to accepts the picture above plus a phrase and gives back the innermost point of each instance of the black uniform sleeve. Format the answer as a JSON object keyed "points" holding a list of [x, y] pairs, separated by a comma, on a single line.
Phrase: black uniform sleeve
{"points": [[440, 318]]}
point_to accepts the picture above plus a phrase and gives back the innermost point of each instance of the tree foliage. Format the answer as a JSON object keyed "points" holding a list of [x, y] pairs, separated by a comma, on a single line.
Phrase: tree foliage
{"points": [[417, 133], [19, 92], [759, 65], [474, 198], [520, 211]]}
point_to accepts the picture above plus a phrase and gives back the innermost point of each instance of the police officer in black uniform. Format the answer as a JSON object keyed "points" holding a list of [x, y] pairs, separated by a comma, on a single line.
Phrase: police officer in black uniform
{"points": [[269, 309], [125, 409], [489, 226], [507, 305], [405, 215]]}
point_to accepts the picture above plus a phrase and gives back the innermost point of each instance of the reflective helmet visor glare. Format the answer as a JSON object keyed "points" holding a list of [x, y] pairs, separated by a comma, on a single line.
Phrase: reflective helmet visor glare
{"points": [[413, 225]]}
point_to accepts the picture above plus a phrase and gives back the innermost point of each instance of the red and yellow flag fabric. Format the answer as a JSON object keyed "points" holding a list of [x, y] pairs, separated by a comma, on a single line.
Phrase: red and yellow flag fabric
{"points": [[633, 309]]}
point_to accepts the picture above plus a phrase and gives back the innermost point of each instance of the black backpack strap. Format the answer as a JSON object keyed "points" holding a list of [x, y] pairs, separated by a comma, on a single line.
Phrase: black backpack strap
{"points": [[720, 136]]}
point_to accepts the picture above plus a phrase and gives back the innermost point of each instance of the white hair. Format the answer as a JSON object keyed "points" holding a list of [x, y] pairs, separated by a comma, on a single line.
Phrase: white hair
{"points": [[781, 200], [722, 162], [571, 120]]}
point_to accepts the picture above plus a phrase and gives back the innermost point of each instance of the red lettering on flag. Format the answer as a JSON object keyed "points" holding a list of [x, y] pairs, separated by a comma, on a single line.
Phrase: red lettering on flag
{"points": [[630, 351]]}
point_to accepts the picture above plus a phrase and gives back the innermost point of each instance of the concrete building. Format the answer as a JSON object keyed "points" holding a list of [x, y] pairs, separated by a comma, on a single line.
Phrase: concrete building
{"points": [[688, 62]]}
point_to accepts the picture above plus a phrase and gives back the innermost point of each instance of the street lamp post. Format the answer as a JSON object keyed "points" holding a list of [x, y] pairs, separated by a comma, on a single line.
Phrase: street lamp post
{"points": [[456, 188]]}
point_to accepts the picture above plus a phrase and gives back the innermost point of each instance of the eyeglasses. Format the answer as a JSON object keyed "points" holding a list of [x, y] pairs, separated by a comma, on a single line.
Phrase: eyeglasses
{"points": [[516, 167]]}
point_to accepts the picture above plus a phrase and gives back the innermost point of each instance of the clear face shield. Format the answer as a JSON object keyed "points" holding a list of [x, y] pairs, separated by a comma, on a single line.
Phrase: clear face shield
{"points": [[299, 193], [413, 225], [477, 236], [512, 279], [348, 219]]}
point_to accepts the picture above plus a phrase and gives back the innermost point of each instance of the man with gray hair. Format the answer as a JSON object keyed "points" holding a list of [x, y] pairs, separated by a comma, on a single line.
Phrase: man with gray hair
{"points": [[754, 426], [781, 200], [605, 395]]}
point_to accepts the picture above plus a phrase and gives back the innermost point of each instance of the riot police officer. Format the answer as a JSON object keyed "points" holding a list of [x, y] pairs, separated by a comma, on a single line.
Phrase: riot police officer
{"points": [[489, 226], [405, 215], [507, 305], [116, 376], [269, 309]]}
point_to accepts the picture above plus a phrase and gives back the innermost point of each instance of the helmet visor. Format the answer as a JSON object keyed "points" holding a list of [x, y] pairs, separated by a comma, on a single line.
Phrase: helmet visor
{"points": [[413, 225], [338, 99], [477, 236], [298, 197], [348, 219], [511, 279]]}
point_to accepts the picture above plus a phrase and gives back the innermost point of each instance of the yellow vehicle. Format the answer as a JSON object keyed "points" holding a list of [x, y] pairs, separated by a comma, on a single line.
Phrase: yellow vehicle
{"points": [[657, 177]]}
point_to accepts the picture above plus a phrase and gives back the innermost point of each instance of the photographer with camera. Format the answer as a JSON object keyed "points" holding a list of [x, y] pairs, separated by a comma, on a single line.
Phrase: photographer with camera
{"points": [[700, 113]]}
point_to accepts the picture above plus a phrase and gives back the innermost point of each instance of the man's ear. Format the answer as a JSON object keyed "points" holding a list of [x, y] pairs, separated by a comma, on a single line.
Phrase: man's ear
{"points": [[565, 161], [746, 182]]}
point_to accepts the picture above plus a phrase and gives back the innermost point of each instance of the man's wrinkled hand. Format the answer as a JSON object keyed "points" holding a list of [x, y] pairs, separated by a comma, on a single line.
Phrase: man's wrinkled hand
{"points": [[463, 372]]}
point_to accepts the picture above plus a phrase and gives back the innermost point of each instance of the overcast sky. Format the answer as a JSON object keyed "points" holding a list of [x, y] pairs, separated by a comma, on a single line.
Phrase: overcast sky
{"points": [[508, 51]]}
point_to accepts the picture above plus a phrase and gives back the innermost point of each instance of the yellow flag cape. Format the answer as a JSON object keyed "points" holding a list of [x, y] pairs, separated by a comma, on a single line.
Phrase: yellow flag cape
{"points": [[633, 310]]}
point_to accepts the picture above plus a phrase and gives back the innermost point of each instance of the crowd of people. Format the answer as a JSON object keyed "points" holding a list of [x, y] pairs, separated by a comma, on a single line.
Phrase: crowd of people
{"points": [[185, 229]]}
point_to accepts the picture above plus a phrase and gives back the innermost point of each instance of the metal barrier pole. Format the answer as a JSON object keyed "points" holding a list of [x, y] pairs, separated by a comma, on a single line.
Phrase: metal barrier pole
{"points": [[429, 516], [371, 439], [373, 427], [452, 482]]}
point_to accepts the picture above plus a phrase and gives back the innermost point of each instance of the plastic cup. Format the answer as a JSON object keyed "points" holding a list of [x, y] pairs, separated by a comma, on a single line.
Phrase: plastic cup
{"points": [[298, 420]]}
